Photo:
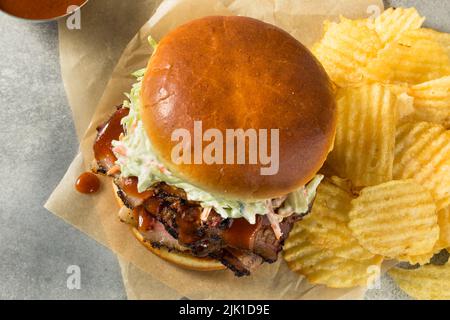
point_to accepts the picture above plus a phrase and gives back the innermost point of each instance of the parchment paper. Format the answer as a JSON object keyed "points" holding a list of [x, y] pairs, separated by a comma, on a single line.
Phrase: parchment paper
{"points": [[87, 57]]}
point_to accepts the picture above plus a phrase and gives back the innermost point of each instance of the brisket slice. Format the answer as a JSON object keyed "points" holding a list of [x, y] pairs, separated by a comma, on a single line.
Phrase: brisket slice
{"points": [[129, 194], [241, 262], [208, 238], [155, 232], [182, 220], [266, 244]]}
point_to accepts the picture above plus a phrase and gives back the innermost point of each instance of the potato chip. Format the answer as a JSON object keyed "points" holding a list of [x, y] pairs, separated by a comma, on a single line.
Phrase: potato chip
{"points": [[326, 225], [329, 213], [404, 102], [442, 243], [421, 61], [399, 88], [422, 153], [432, 101], [405, 108], [343, 184], [420, 259], [392, 23], [365, 137], [345, 50], [442, 38], [321, 266], [444, 228], [429, 282], [396, 218]]}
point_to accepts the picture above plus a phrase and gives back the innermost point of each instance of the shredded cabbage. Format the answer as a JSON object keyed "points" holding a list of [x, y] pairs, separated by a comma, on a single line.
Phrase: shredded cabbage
{"points": [[299, 201], [152, 42], [138, 159]]}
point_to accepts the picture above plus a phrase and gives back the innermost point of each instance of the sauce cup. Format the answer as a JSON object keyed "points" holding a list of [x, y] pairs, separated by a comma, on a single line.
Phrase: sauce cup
{"points": [[44, 16]]}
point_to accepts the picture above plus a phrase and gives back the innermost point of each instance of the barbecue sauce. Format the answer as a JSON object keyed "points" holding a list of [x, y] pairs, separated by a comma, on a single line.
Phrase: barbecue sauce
{"points": [[110, 131], [145, 221], [87, 183], [129, 187], [241, 233], [189, 224], [38, 9]]}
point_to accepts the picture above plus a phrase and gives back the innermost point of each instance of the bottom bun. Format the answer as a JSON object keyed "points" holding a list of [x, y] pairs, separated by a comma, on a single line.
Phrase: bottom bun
{"points": [[181, 259]]}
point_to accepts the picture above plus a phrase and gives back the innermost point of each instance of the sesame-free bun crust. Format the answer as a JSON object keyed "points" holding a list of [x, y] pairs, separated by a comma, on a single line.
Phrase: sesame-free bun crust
{"points": [[183, 260], [238, 72]]}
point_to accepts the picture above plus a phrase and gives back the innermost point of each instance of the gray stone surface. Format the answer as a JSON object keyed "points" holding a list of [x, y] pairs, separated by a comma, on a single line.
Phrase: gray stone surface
{"points": [[38, 143]]}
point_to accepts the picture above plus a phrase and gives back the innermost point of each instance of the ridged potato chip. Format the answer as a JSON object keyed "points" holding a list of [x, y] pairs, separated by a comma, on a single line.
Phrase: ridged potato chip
{"points": [[421, 61], [442, 243], [405, 103], [326, 225], [432, 101], [322, 266], [444, 228], [430, 282], [427, 34], [405, 108], [422, 153], [345, 50], [391, 74], [393, 22], [396, 218], [329, 213], [420, 259], [365, 137]]}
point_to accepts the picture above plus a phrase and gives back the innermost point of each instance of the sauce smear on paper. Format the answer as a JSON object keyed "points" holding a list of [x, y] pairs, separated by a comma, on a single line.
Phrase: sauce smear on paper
{"points": [[87, 183], [38, 9]]}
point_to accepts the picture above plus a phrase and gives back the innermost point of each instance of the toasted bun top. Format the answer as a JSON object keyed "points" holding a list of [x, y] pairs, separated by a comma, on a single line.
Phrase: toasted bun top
{"points": [[238, 72]]}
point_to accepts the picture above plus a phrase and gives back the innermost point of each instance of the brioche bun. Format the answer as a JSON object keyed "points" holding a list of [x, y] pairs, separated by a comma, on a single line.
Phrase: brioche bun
{"points": [[183, 260], [237, 72]]}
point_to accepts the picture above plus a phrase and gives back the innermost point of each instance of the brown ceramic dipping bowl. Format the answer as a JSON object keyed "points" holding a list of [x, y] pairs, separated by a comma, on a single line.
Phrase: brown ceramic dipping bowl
{"points": [[39, 10]]}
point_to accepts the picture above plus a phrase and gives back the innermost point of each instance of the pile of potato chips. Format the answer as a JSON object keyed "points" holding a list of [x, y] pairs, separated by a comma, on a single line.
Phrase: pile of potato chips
{"points": [[386, 195]]}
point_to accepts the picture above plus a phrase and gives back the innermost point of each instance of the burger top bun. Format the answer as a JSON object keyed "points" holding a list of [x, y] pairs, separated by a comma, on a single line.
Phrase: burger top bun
{"points": [[238, 72]]}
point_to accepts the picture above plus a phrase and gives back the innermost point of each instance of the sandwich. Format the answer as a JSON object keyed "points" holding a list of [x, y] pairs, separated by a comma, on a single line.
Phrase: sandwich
{"points": [[215, 153]]}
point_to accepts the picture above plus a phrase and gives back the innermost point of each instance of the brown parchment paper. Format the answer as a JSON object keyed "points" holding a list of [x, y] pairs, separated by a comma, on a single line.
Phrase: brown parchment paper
{"points": [[87, 57]]}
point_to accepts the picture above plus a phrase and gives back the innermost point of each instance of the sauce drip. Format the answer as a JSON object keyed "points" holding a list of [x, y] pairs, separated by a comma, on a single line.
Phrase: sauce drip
{"points": [[110, 131], [145, 221], [129, 187], [38, 9], [241, 233], [87, 183]]}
